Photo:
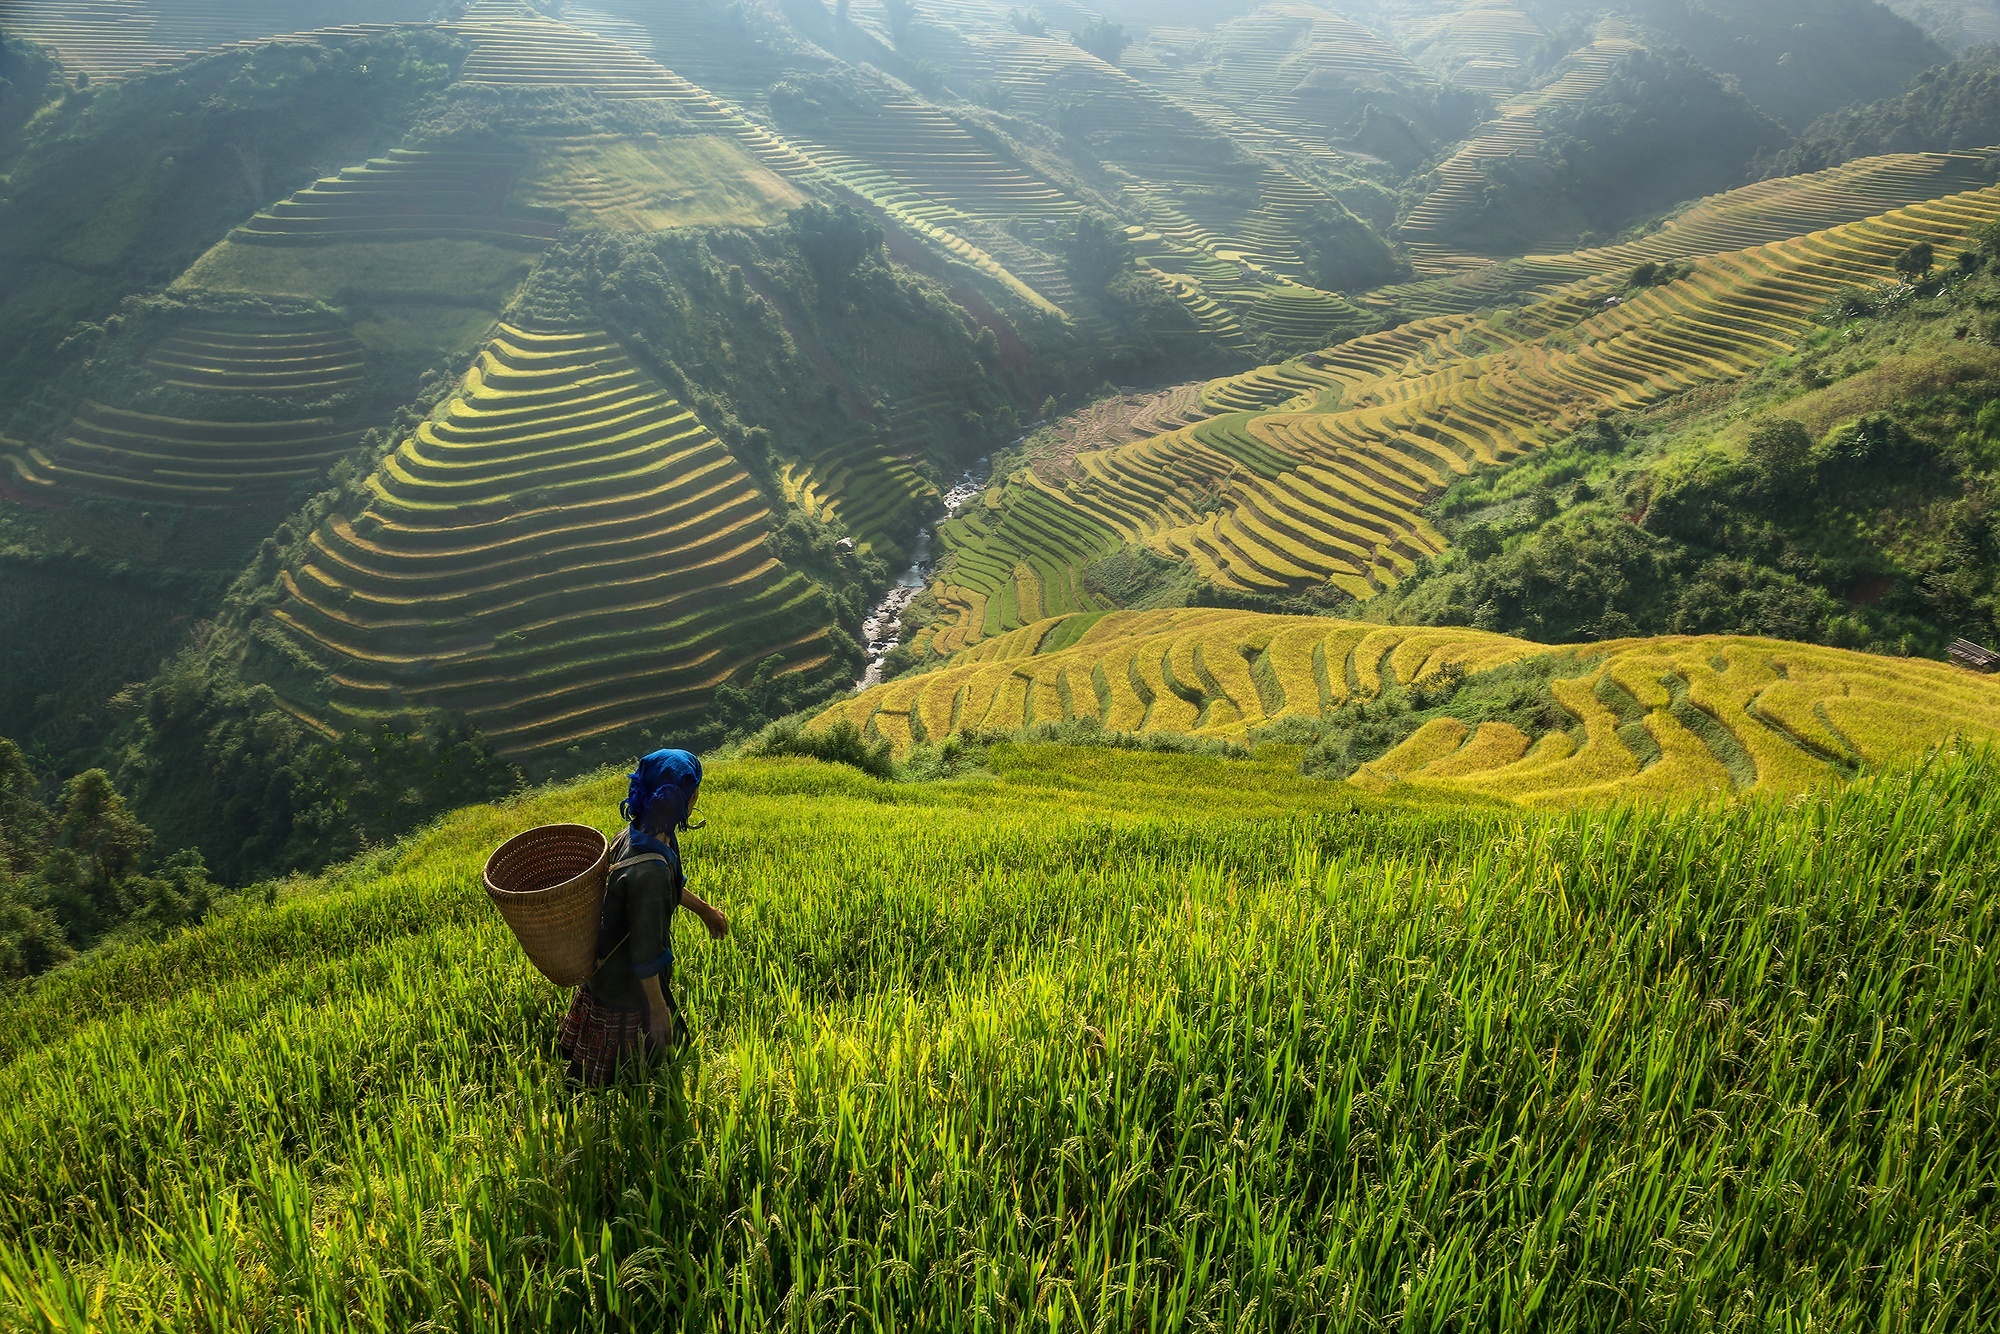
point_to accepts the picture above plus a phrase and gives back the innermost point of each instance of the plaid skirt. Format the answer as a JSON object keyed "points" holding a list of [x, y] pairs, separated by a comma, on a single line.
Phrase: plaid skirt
{"points": [[599, 1039]]}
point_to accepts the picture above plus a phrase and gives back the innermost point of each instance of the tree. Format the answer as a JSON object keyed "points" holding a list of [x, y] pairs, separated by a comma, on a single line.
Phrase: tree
{"points": [[24, 822], [835, 241], [98, 843], [1916, 263], [1097, 252], [1028, 22], [1782, 453], [1103, 38], [71, 876]]}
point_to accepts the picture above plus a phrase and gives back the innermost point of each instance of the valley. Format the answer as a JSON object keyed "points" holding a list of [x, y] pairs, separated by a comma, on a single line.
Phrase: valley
{"points": [[1343, 652], [575, 389]]}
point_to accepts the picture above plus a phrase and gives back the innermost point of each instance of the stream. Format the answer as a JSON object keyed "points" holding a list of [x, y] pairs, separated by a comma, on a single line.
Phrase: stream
{"points": [[883, 630]]}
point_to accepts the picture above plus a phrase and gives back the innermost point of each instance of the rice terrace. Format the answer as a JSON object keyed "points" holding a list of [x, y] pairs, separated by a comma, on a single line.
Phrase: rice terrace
{"points": [[944, 665]]}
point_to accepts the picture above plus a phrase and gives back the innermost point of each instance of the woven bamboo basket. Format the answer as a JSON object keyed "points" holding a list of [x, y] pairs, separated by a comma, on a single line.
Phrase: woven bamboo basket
{"points": [[549, 885]]}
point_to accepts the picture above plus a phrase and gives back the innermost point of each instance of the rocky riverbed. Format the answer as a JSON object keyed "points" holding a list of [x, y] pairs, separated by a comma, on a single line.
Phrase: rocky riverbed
{"points": [[883, 630]]}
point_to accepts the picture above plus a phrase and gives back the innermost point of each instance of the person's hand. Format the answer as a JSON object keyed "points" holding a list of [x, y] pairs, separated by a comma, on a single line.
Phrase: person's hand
{"points": [[659, 1025], [718, 925]]}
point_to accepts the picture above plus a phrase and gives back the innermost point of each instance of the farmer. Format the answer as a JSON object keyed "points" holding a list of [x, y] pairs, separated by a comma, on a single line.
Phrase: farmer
{"points": [[627, 1004]]}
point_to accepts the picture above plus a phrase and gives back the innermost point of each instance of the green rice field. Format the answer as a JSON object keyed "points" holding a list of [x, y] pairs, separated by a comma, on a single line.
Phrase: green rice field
{"points": [[563, 548], [1086, 1039]]}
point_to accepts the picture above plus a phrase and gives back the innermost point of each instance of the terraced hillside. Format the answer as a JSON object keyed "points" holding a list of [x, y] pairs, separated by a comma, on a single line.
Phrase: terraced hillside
{"points": [[1434, 230], [926, 172], [531, 52], [651, 183], [294, 358], [177, 461], [1327, 488], [929, 174], [408, 192], [707, 44], [1751, 215], [418, 239], [1293, 78], [282, 391], [563, 553], [1220, 224], [924, 150], [867, 484], [1485, 45], [1638, 719], [108, 39], [524, 52], [421, 247]]}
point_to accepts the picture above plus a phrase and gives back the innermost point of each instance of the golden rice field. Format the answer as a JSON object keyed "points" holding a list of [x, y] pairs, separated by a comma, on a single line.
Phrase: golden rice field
{"points": [[1655, 718], [564, 551], [1750, 215], [1316, 470]]}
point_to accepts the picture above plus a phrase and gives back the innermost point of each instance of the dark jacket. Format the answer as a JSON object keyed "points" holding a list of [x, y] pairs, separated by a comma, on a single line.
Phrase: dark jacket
{"points": [[637, 928]]}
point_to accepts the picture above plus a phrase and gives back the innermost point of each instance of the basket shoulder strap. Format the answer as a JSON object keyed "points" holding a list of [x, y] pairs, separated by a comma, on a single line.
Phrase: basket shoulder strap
{"points": [[636, 859]]}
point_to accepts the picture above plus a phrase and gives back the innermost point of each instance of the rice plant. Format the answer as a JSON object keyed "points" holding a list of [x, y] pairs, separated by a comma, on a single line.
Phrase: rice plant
{"points": [[1676, 717], [1102, 1039]]}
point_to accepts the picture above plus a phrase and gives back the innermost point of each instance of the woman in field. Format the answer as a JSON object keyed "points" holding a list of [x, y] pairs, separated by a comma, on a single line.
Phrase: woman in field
{"points": [[627, 1008]]}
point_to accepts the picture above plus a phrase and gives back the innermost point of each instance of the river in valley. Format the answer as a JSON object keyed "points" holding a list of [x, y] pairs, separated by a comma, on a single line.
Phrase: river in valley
{"points": [[883, 630]]}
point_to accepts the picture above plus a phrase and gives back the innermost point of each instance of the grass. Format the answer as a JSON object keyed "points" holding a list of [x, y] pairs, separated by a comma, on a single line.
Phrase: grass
{"points": [[1056, 1046], [656, 184], [456, 271]]}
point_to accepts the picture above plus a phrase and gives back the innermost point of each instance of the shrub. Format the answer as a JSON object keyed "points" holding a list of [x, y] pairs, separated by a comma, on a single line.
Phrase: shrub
{"points": [[841, 743], [1104, 39]]}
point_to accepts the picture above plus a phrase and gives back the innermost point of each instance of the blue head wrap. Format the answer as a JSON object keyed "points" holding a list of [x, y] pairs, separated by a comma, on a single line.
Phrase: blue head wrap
{"points": [[666, 776]]}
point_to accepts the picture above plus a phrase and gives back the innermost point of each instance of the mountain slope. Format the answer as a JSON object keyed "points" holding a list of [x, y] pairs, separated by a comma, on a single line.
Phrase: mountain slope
{"points": [[1328, 487], [1956, 106], [563, 549]]}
